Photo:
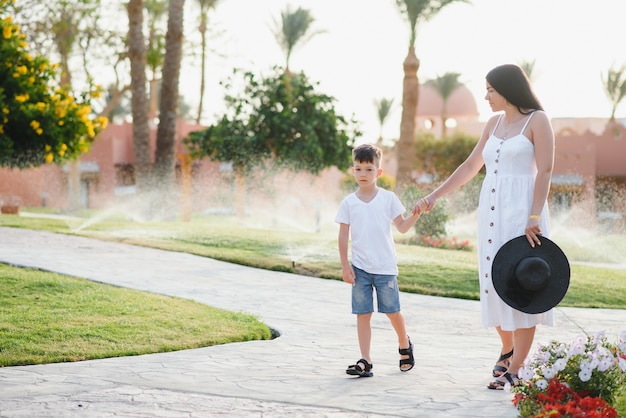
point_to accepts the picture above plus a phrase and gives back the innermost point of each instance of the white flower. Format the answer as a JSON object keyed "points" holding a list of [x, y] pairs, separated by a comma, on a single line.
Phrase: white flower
{"points": [[584, 375], [542, 357], [542, 384], [577, 347], [605, 363], [622, 364], [525, 373], [560, 364], [549, 372], [585, 364]]}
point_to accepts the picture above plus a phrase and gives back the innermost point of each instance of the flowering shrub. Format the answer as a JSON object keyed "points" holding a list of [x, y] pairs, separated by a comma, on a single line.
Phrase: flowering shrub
{"points": [[39, 123], [573, 380], [442, 242]]}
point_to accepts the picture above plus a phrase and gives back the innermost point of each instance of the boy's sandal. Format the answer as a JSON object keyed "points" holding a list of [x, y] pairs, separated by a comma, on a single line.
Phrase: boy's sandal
{"points": [[410, 361], [357, 370], [511, 379], [500, 370]]}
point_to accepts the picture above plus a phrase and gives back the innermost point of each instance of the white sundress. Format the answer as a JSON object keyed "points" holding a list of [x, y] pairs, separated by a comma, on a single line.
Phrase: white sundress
{"points": [[503, 210]]}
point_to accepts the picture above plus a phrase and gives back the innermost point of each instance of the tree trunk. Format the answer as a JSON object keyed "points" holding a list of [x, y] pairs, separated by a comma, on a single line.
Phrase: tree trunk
{"points": [[139, 101], [165, 158], [203, 69], [405, 147]]}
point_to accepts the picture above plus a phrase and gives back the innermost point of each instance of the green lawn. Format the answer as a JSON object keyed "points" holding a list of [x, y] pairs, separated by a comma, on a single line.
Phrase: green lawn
{"points": [[51, 318], [448, 273], [46, 317]]}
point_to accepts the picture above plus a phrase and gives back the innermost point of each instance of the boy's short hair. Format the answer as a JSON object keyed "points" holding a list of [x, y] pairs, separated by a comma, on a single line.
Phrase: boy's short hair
{"points": [[367, 153]]}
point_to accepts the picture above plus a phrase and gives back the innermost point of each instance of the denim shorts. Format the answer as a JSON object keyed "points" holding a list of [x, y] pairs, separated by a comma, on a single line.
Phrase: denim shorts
{"points": [[387, 293]]}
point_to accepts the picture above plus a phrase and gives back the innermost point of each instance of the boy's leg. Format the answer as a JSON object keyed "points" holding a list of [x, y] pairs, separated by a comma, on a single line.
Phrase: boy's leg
{"points": [[399, 325], [364, 331], [362, 307], [388, 296]]}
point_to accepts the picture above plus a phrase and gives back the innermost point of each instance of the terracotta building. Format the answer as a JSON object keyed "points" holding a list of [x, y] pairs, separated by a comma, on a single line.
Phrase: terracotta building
{"points": [[589, 175]]}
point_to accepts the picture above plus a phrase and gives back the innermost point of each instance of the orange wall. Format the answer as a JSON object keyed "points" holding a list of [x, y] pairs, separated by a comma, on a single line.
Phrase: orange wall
{"points": [[587, 154]]}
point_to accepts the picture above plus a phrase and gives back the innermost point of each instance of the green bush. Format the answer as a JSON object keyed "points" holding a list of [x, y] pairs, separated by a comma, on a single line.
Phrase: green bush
{"points": [[433, 224]]}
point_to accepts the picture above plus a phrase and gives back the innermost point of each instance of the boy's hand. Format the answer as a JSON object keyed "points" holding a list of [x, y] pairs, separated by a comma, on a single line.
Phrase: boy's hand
{"points": [[348, 274], [424, 205]]}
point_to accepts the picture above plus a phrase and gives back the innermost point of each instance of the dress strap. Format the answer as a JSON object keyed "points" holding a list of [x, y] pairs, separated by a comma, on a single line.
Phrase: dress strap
{"points": [[526, 124], [497, 123]]}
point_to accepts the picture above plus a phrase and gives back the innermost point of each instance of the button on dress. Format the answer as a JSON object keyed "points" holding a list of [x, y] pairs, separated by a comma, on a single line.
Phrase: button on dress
{"points": [[503, 210]]}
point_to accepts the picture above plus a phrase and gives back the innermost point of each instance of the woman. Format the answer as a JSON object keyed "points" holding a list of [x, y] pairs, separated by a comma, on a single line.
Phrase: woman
{"points": [[517, 149]]}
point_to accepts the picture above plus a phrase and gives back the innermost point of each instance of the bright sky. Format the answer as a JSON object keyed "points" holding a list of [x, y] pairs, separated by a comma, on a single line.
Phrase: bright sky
{"points": [[359, 56]]}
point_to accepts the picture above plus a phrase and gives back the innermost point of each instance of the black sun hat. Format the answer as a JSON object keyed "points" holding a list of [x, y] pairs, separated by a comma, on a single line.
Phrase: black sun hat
{"points": [[531, 280]]}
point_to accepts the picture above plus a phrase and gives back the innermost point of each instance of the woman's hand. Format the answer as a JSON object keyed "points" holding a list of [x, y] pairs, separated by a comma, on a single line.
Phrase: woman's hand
{"points": [[425, 205], [533, 230]]}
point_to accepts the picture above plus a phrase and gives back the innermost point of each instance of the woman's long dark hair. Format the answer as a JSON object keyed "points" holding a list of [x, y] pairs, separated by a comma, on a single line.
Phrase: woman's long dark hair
{"points": [[511, 82]]}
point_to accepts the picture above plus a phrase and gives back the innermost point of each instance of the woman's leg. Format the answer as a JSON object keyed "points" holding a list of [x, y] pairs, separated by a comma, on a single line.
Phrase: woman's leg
{"points": [[523, 341], [506, 338]]}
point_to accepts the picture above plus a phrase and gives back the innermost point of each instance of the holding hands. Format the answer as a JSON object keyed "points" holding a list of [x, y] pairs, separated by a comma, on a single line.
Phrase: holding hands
{"points": [[425, 204]]}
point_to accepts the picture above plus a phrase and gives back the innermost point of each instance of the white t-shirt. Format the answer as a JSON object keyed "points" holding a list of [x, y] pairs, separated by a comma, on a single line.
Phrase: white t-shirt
{"points": [[373, 249]]}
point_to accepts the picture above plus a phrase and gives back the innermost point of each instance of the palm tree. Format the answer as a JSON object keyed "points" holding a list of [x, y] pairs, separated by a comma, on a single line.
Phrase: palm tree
{"points": [[139, 100], [293, 30], [529, 69], [415, 11], [383, 110], [164, 158], [205, 6], [615, 88], [156, 11], [445, 85]]}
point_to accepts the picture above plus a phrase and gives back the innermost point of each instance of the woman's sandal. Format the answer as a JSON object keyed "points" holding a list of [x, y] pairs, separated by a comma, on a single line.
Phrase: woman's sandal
{"points": [[500, 370], [511, 379], [357, 370], [405, 361]]}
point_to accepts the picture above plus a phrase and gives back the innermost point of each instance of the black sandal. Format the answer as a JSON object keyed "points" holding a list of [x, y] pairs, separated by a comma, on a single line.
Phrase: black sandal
{"points": [[357, 370], [502, 369], [410, 360], [511, 379]]}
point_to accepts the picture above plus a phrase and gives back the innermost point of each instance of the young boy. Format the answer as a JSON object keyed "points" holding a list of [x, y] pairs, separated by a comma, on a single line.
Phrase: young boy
{"points": [[365, 216]]}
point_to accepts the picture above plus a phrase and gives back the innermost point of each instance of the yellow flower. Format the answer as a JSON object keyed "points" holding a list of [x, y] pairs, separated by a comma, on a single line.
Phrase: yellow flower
{"points": [[1, 129], [61, 122], [102, 122], [7, 32], [5, 110], [49, 157], [41, 106], [36, 127], [21, 98], [22, 69], [63, 147], [48, 148]]}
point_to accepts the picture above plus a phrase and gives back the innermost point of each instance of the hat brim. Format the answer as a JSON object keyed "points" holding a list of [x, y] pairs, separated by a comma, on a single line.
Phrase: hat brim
{"points": [[508, 287]]}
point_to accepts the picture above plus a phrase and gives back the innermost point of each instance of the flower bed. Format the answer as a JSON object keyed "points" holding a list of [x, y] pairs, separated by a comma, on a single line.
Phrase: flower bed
{"points": [[580, 379], [440, 242]]}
